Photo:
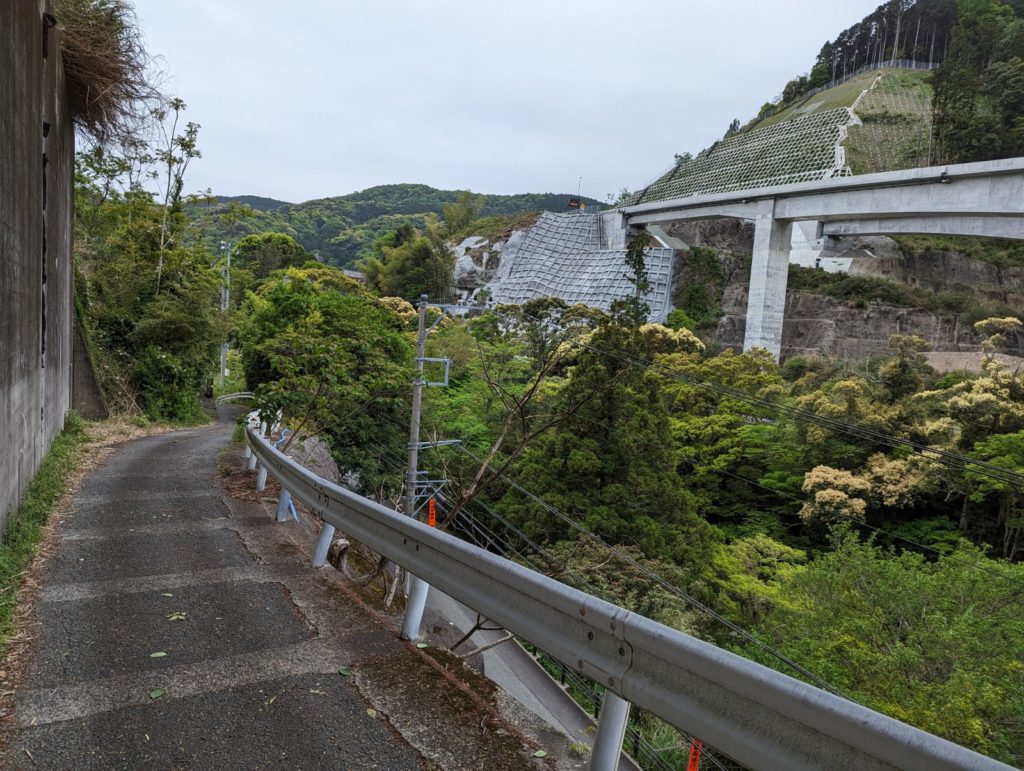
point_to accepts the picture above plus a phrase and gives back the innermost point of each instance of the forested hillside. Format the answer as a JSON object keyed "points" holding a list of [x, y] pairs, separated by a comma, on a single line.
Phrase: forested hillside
{"points": [[978, 96], [342, 229]]}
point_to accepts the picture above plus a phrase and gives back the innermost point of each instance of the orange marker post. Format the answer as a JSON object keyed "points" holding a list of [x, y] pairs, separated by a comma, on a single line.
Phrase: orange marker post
{"points": [[695, 750], [431, 513]]}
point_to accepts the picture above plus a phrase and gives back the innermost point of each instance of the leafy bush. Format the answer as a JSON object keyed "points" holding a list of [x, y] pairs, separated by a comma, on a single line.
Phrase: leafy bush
{"points": [[168, 388], [700, 284]]}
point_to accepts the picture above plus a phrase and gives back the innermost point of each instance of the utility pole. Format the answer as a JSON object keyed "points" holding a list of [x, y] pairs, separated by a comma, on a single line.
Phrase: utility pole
{"points": [[418, 588], [225, 301]]}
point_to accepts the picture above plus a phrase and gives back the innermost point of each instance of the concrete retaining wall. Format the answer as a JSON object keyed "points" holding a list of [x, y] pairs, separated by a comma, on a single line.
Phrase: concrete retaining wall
{"points": [[36, 200]]}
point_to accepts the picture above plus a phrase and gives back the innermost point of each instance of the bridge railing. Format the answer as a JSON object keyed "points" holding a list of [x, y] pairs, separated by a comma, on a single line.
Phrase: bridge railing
{"points": [[760, 717]]}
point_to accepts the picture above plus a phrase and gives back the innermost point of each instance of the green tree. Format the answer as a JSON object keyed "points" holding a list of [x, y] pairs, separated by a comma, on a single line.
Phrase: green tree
{"points": [[335, 361], [144, 285], [263, 253], [610, 464], [1007, 452], [408, 266], [978, 88], [460, 214], [935, 644]]}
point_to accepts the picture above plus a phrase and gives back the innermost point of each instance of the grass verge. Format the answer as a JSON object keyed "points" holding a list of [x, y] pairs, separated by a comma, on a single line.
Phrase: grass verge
{"points": [[25, 528]]}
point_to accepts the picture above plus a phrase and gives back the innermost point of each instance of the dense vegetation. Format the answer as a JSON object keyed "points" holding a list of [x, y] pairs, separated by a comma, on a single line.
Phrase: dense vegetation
{"points": [[899, 29], [343, 229], [885, 572], [979, 89], [147, 286]]}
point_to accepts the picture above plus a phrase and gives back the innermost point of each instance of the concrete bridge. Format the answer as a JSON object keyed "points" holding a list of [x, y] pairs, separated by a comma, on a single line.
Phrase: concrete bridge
{"points": [[973, 199]]}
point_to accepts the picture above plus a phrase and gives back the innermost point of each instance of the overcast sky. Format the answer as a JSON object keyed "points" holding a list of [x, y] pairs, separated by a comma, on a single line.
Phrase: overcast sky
{"points": [[314, 98]]}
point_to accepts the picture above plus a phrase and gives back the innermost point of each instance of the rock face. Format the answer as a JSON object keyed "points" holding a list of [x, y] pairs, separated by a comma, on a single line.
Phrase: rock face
{"points": [[477, 260], [816, 324], [574, 256], [941, 271]]}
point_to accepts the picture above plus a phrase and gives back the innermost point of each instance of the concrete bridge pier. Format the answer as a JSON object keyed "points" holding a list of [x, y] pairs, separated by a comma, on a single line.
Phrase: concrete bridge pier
{"points": [[769, 270]]}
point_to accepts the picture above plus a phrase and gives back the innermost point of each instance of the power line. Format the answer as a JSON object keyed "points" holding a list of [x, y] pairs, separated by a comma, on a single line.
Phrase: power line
{"points": [[390, 458]]}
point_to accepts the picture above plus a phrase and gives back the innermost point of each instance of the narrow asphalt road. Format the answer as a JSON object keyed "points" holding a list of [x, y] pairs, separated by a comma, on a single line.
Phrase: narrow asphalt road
{"points": [[177, 627]]}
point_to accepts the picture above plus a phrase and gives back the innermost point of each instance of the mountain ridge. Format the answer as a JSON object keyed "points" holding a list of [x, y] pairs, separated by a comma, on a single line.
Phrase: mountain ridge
{"points": [[341, 229]]}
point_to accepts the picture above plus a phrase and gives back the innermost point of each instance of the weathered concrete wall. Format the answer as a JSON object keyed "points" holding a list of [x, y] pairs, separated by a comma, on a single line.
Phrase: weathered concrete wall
{"points": [[36, 199]]}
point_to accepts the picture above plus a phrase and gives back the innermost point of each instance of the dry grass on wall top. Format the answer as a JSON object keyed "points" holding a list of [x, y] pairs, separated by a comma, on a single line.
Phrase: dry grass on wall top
{"points": [[110, 80]]}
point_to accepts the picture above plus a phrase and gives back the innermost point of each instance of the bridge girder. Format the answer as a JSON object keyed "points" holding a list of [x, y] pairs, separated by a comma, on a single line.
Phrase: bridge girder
{"points": [[973, 199]]}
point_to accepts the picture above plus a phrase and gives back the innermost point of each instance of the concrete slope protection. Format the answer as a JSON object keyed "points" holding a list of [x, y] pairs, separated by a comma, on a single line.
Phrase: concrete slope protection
{"points": [[177, 627]]}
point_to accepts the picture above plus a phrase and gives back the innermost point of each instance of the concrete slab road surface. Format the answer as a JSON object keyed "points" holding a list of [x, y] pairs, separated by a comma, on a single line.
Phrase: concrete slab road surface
{"points": [[178, 627]]}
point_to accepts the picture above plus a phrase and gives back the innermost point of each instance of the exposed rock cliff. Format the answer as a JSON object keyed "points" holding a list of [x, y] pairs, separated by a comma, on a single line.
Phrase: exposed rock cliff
{"points": [[816, 323]]}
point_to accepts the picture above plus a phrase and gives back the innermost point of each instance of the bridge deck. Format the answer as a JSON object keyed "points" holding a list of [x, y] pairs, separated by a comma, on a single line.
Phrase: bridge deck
{"points": [[248, 676]]}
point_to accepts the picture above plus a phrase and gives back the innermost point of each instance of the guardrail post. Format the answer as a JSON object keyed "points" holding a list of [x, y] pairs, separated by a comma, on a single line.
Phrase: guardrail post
{"points": [[323, 544], [261, 478], [610, 731], [282, 505], [251, 464], [414, 605], [247, 452]]}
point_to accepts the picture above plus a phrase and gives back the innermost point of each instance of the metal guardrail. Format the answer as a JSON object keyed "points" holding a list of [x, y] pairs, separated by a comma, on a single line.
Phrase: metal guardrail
{"points": [[760, 717], [235, 396]]}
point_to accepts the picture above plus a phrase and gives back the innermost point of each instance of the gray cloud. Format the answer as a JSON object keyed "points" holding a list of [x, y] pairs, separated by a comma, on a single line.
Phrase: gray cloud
{"points": [[317, 98]]}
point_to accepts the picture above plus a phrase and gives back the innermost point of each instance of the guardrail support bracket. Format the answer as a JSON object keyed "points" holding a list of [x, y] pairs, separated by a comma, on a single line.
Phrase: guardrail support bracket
{"points": [[282, 506]]}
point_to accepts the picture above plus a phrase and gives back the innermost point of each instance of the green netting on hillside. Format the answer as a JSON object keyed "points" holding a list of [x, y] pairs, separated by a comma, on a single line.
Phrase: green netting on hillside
{"points": [[800, 150], [896, 116]]}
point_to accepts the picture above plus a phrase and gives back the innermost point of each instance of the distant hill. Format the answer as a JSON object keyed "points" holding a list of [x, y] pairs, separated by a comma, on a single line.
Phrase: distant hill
{"points": [[257, 202], [342, 229]]}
